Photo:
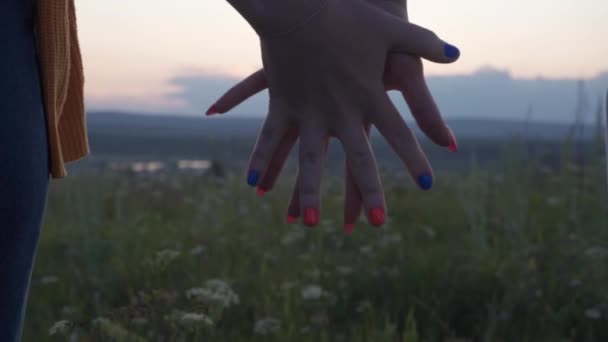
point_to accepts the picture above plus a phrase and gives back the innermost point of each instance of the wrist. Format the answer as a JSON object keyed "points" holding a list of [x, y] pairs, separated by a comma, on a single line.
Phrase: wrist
{"points": [[276, 17]]}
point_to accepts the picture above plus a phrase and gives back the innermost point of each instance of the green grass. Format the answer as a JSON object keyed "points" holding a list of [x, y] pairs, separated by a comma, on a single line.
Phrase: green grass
{"points": [[520, 255]]}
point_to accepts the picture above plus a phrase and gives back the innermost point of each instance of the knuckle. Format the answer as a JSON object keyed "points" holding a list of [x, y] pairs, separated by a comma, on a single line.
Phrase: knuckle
{"points": [[310, 157], [361, 159], [307, 190]]}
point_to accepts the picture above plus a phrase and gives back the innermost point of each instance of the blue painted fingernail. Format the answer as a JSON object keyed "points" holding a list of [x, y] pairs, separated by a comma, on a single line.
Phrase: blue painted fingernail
{"points": [[425, 181], [253, 178], [451, 51]]}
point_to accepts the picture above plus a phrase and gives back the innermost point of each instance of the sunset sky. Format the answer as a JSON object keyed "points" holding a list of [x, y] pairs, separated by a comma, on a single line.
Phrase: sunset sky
{"points": [[133, 48]]}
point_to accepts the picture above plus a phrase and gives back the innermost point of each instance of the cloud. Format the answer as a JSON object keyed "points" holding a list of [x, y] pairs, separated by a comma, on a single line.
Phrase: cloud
{"points": [[487, 93], [201, 90]]}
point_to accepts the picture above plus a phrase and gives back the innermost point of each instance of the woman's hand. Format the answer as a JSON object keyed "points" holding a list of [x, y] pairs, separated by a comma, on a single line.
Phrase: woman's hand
{"points": [[339, 93]]}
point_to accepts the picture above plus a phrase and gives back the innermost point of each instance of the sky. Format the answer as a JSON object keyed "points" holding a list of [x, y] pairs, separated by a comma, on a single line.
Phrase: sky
{"points": [[135, 50]]}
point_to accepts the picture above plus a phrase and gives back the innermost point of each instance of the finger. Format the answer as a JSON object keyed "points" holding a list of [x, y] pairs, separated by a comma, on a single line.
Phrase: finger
{"points": [[278, 161], [247, 88], [413, 39], [353, 201], [394, 129], [311, 170], [273, 130], [293, 211], [364, 172], [407, 73]]}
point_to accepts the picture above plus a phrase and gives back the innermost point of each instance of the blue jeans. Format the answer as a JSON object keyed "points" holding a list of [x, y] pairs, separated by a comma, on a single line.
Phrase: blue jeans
{"points": [[24, 162]]}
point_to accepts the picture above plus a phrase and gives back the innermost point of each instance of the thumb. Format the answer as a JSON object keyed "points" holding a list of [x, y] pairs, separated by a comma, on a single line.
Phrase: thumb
{"points": [[416, 40]]}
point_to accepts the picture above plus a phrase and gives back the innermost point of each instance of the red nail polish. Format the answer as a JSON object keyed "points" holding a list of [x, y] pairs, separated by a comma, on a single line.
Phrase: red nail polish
{"points": [[291, 219], [212, 110], [349, 228], [311, 217], [453, 147], [376, 216], [261, 192]]}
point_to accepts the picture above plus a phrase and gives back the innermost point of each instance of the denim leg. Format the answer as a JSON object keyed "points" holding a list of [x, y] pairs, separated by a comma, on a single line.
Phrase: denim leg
{"points": [[24, 163], [24, 179]]}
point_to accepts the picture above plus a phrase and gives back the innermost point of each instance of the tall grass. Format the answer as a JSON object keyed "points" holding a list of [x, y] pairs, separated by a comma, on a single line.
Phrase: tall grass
{"points": [[515, 255]]}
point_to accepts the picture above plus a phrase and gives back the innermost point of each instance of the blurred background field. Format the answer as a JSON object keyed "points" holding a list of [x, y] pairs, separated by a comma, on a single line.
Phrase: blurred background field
{"points": [[156, 237]]}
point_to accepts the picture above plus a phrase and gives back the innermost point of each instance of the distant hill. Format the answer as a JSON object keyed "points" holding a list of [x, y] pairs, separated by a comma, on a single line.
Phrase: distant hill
{"points": [[141, 125]]}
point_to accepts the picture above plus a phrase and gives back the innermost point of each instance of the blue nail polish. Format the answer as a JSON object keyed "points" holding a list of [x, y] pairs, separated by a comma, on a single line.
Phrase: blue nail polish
{"points": [[425, 181], [451, 51], [253, 178]]}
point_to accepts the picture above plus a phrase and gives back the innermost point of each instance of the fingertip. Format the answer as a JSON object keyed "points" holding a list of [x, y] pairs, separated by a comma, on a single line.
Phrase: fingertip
{"points": [[349, 228], [261, 192], [425, 181], [377, 217], [291, 219], [452, 142], [253, 177], [311, 217], [451, 52], [213, 110]]}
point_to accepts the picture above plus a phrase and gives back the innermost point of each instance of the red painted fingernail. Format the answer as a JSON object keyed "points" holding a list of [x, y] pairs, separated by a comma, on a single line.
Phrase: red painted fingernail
{"points": [[453, 147], [261, 192], [291, 219], [212, 110], [311, 217], [348, 228], [376, 216]]}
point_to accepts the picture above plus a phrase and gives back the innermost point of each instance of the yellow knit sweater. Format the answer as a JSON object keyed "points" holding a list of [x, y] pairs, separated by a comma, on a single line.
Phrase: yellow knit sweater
{"points": [[62, 83]]}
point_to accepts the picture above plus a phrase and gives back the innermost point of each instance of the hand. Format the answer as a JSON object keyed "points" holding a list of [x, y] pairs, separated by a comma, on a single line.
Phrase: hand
{"points": [[287, 119]]}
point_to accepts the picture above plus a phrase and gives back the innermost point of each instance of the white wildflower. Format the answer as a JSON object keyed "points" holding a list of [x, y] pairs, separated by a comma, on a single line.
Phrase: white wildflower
{"points": [[49, 280], [306, 330], [113, 331], [139, 321], [312, 292], [429, 231], [575, 282], [344, 270], [68, 310], [364, 306], [390, 239], [267, 326], [243, 210], [167, 254], [62, 327], [319, 319], [553, 201], [286, 286], [596, 252], [314, 274], [593, 313], [292, 237], [198, 250], [191, 318], [366, 250], [215, 291]]}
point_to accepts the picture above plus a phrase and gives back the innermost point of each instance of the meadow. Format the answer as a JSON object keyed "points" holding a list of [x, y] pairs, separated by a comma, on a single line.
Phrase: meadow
{"points": [[513, 251]]}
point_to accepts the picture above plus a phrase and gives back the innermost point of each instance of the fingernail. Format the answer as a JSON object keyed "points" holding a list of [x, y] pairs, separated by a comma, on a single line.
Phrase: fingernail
{"points": [[349, 228], [376, 216], [291, 219], [311, 217], [453, 147], [212, 110], [253, 177], [261, 192], [451, 51], [425, 182]]}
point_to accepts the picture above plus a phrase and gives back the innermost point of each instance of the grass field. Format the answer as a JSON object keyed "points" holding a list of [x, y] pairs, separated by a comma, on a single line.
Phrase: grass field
{"points": [[520, 254]]}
